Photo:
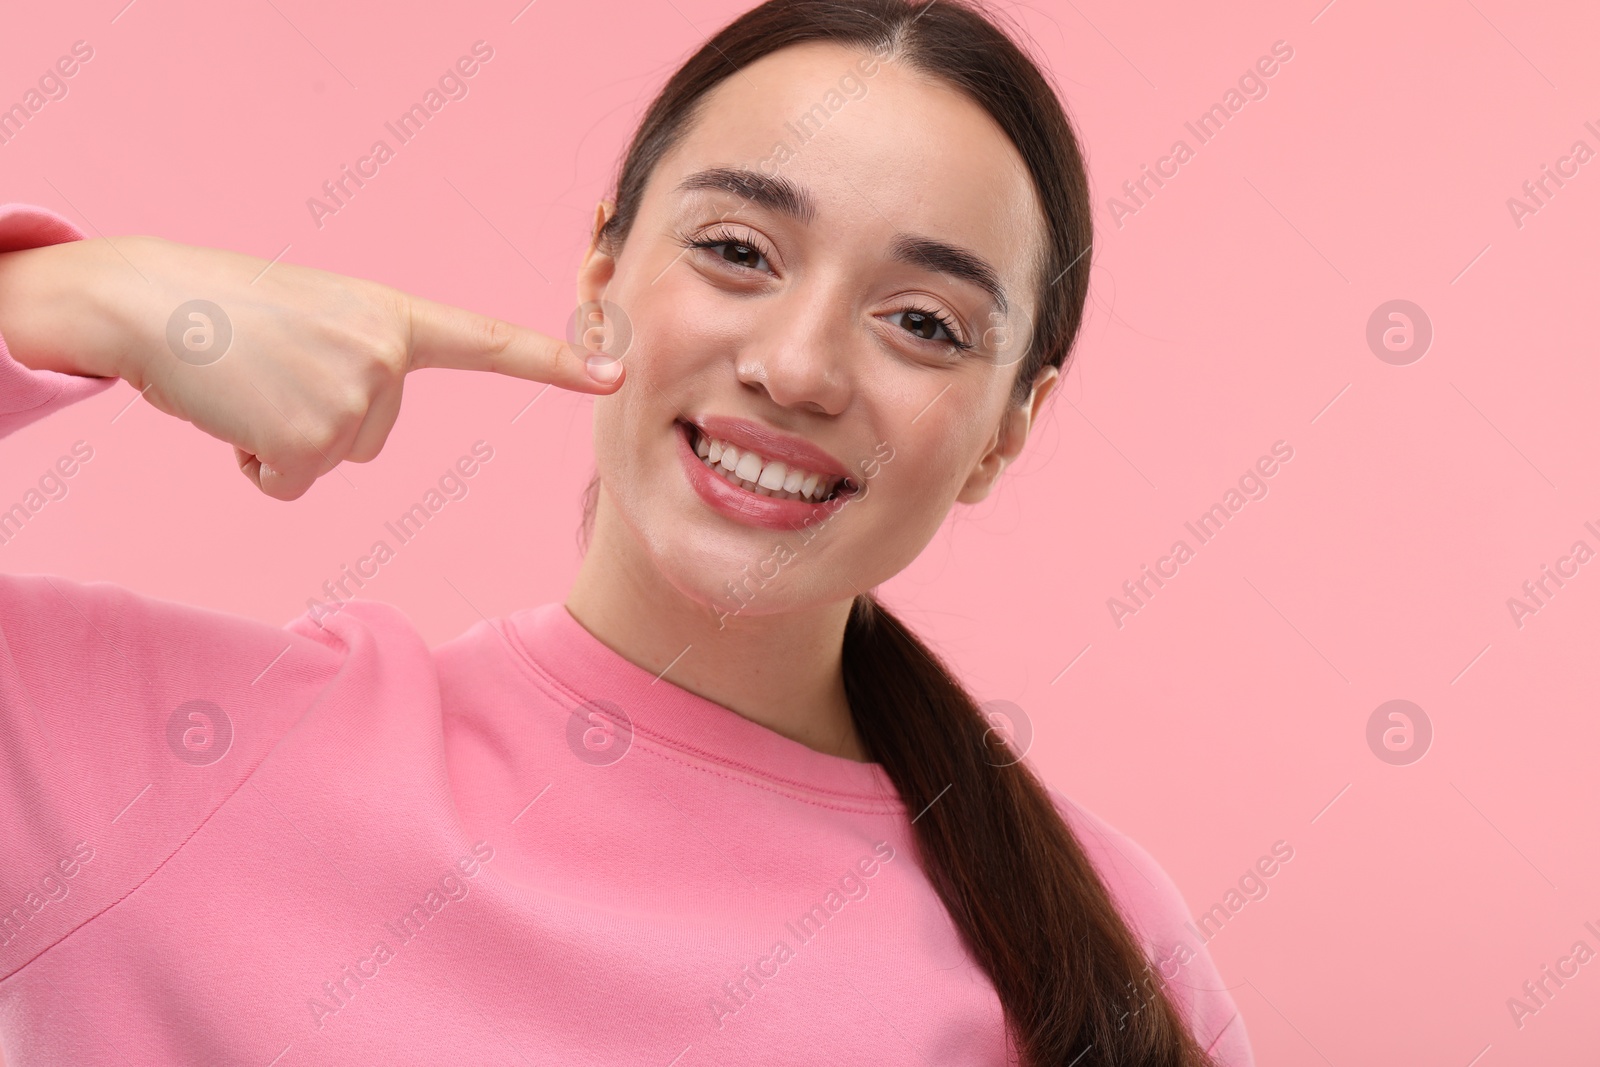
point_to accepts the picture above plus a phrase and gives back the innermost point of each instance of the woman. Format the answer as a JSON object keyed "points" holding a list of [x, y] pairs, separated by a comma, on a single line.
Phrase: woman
{"points": [[717, 807]]}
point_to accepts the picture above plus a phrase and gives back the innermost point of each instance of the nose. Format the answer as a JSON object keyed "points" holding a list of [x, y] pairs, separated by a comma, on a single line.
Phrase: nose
{"points": [[798, 350]]}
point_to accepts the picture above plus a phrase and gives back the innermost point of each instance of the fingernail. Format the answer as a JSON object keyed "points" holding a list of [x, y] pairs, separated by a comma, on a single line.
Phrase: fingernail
{"points": [[603, 369]]}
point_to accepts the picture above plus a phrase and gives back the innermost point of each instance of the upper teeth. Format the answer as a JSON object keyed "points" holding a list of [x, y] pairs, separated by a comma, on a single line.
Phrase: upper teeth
{"points": [[777, 478]]}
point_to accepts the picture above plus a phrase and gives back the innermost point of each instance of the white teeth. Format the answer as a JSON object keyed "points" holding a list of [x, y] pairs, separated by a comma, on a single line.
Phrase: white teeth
{"points": [[749, 467], [766, 478], [772, 476]]}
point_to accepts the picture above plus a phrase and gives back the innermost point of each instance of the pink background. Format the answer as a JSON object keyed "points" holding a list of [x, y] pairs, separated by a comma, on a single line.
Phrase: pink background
{"points": [[1228, 313]]}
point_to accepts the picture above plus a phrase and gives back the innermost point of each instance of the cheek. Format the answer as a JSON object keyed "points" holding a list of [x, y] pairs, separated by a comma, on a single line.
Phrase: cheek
{"points": [[938, 459], [678, 330], [670, 360], [913, 490]]}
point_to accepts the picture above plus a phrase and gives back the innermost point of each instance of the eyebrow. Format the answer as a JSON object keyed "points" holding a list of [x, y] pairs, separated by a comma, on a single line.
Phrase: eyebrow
{"points": [[777, 193]]}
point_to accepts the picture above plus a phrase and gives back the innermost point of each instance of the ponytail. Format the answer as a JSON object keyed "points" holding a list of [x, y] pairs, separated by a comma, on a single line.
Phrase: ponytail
{"points": [[1019, 887]]}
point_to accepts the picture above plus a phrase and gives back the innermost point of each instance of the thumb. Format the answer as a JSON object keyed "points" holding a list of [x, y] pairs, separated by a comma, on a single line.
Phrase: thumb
{"points": [[270, 480]]}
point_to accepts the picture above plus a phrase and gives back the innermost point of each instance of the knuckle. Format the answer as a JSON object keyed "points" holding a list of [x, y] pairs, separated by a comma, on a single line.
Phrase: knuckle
{"points": [[351, 406], [496, 336], [391, 357], [318, 439], [328, 442]]}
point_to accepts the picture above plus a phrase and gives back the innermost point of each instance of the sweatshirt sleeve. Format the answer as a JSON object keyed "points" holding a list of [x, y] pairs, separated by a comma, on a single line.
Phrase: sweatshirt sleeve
{"points": [[27, 395], [1154, 906], [125, 720]]}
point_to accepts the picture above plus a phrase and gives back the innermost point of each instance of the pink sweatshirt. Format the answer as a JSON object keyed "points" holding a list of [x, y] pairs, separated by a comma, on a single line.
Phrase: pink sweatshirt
{"points": [[222, 842]]}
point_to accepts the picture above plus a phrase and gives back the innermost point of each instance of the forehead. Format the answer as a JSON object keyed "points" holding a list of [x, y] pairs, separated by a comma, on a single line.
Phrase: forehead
{"points": [[882, 149]]}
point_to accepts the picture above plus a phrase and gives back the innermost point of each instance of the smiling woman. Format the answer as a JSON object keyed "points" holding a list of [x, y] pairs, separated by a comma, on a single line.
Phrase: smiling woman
{"points": [[838, 304], [819, 366]]}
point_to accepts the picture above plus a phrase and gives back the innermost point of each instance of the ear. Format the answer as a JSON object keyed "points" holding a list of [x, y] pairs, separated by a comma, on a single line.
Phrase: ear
{"points": [[1009, 437], [595, 272]]}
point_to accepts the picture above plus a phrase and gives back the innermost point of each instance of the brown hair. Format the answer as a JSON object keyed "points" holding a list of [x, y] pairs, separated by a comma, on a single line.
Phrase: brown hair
{"points": [[1069, 973]]}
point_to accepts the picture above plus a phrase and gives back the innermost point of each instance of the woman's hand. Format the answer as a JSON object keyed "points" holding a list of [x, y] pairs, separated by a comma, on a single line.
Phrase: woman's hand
{"points": [[298, 369]]}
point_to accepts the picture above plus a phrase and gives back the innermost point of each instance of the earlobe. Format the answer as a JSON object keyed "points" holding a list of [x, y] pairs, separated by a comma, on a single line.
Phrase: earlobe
{"points": [[998, 454], [1012, 434]]}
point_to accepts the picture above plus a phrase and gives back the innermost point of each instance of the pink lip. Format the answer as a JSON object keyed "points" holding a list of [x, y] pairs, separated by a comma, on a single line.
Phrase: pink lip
{"points": [[770, 444], [743, 506]]}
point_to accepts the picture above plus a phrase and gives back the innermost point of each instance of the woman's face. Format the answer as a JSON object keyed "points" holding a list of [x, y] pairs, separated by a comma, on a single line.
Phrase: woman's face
{"points": [[860, 222]]}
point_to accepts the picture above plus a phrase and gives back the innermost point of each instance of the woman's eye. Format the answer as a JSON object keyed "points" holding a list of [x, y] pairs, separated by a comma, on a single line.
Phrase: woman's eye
{"points": [[741, 255], [928, 326]]}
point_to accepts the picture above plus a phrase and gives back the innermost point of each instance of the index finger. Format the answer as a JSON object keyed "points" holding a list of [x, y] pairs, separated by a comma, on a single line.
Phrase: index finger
{"points": [[446, 336]]}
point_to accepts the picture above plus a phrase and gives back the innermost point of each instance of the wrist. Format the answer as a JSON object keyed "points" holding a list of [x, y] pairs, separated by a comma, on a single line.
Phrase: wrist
{"points": [[59, 308], [99, 291]]}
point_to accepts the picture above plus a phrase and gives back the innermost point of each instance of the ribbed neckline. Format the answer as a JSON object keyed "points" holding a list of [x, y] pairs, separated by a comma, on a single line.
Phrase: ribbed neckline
{"points": [[558, 649]]}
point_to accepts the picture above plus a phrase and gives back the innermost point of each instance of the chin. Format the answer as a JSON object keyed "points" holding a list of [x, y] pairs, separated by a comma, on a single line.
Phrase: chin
{"points": [[726, 572]]}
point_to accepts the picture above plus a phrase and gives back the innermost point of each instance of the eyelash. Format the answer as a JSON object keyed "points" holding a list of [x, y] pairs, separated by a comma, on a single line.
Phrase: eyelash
{"points": [[727, 237]]}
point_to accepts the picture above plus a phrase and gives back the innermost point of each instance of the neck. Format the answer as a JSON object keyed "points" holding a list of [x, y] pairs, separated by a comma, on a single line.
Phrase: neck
{"points": [[782, 671]]}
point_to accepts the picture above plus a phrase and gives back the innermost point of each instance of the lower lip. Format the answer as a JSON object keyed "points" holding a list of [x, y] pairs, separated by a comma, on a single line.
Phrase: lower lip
{"points": [[743, 506]]}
